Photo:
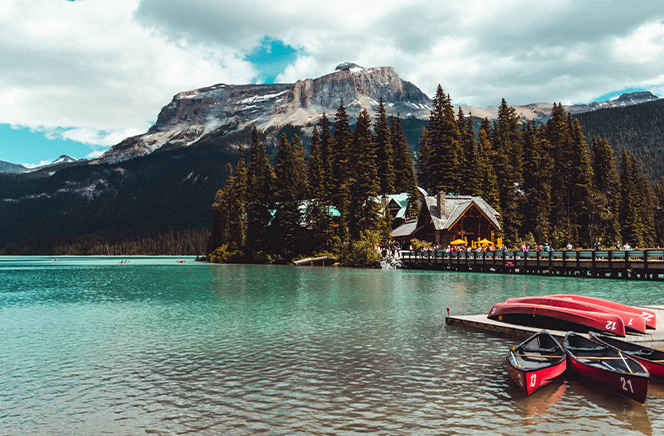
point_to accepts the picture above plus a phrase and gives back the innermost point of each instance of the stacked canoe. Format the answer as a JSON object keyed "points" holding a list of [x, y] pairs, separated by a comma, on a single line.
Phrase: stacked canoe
{"points": [[574, 312], [619, 365]]}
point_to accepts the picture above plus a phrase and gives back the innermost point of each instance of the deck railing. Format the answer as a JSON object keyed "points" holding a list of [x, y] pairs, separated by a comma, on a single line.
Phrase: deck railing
{"points": [[647, 263]]}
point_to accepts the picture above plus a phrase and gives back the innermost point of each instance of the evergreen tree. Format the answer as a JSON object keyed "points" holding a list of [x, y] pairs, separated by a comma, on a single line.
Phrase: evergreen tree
{"points": [[403, 167], [326, 161], [607, 193], [581, 177], [559, 141], [470, 184], [341, 166], [290, 170], [659, 214], [630, 220], [364, 208], [488, 184], [443, 162], [317, 214], [424, 162], [259, 202], [383, 143], [508, 167], [536, 183]]}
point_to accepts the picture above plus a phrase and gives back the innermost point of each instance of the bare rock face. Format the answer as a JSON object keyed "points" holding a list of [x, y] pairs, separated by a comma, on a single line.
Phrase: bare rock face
{"points": [[193, 114]]}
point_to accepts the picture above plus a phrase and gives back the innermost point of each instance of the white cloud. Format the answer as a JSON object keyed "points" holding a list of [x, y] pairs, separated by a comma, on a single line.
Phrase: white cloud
{"points": [[91, 68], [98, 71]]}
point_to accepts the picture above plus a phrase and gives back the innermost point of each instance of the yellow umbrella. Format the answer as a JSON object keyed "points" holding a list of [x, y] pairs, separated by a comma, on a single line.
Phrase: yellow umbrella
{"points": [[485, 242], [458, 242]]}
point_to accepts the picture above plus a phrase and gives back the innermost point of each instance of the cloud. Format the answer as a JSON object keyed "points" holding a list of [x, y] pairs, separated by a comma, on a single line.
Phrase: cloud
{"points": [[95, 71], [90, 66]]}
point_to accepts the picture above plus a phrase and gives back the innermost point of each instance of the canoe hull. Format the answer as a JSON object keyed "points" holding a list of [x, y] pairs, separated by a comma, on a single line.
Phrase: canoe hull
{"points": [[536, 362], [647, 315], [633, 322], [605, 366], [654, 363], [558, 318], [531, 381]]}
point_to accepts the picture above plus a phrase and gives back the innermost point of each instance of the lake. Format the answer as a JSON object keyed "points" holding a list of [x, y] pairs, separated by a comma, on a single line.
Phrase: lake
{"points": [[93, 346]]}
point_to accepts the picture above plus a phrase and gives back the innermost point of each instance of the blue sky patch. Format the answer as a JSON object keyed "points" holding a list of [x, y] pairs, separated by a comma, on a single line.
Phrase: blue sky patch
{"points": [[21, 146], [271, 58]]}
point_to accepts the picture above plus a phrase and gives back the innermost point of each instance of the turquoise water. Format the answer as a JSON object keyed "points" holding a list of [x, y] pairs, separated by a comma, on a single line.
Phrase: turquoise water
{"points": [[92, 346]]}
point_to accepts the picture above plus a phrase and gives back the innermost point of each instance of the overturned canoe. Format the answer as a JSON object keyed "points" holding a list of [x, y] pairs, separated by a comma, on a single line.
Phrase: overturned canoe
{"points": [[648, 315], [607, 366], [557, 318], [633, 321], [536, 362]]}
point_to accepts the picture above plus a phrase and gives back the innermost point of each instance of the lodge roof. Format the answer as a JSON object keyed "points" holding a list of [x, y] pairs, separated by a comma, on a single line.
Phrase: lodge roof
{"points": [[455, 207]]}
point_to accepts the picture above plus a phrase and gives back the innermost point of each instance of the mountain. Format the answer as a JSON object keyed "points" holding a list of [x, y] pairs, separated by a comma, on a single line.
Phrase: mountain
{"points": [[10, 168], [223, 110], [229, 111]]}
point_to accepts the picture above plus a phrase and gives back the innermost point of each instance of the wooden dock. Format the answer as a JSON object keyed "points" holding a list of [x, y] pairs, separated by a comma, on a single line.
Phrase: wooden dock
{"points": [[641, 264], [652, 338], [316, 261]]}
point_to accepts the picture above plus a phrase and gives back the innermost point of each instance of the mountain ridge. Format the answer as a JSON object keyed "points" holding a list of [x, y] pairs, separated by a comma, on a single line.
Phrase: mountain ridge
{"points": [[223, 109]]}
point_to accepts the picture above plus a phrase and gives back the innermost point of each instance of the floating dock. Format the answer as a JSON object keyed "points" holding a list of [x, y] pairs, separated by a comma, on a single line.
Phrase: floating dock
{"points": [[652, 338]]}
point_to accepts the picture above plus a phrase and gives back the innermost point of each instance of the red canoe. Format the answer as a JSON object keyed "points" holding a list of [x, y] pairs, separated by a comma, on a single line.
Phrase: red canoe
{"points": [[557, 318], [633, 322], [536, 362], [652, 359], [648, 315], [607, 367]]}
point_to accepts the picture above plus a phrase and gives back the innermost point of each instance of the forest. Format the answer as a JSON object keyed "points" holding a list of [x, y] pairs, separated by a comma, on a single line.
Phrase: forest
{"points": [[548, 182]]}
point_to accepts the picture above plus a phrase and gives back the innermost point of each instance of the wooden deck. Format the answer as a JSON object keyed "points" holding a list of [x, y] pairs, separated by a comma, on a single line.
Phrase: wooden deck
{"points": [[652, 338], [641, 264]]}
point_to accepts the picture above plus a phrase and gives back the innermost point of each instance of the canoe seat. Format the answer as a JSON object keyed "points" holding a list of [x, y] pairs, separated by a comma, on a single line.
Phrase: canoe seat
{"points": [[585, 348], [541, 350]]}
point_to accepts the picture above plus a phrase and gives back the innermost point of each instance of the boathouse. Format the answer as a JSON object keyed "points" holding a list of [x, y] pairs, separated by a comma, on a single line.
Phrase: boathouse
{"points": [[445, 217]]}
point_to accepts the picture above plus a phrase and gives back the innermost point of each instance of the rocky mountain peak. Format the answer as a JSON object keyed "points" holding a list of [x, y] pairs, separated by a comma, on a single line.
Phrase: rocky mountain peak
{"points": [[225, 108]]}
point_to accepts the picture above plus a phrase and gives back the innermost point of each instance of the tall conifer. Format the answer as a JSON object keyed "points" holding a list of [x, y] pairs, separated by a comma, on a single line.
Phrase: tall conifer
{"points": [[385, 159], [364, 207], [607, 193], [404, 170], [260, 180]]}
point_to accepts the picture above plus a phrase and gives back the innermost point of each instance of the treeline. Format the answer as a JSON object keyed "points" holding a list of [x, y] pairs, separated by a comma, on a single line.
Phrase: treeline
{"points": [[173, 242], [639, 129], [331, 204], [545, 180]]}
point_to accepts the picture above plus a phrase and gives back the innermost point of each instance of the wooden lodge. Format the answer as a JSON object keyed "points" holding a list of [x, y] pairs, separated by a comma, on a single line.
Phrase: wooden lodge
{"points": [[444, 218]]}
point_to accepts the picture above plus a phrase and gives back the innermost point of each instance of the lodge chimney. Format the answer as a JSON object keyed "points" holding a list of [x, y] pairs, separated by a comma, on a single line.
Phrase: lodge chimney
{"points": [[441, 204]]}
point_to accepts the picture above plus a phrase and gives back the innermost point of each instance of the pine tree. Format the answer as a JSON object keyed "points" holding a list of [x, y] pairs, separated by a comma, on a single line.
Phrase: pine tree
{"points": [[581, 177], [488, 183], [443, 160], [607, 193], [290, 169], [403, 167], [536, 183], [341, 166], [385, 160], [508, 167], [317, 214], [559, 141], [630, 220], [659, 214], [259, 202], [364, 208], [326, 161], [470, 184]]}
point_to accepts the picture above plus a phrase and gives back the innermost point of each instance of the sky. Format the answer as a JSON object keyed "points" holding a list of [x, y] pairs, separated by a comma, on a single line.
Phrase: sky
{"points": [[77, 77]]}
